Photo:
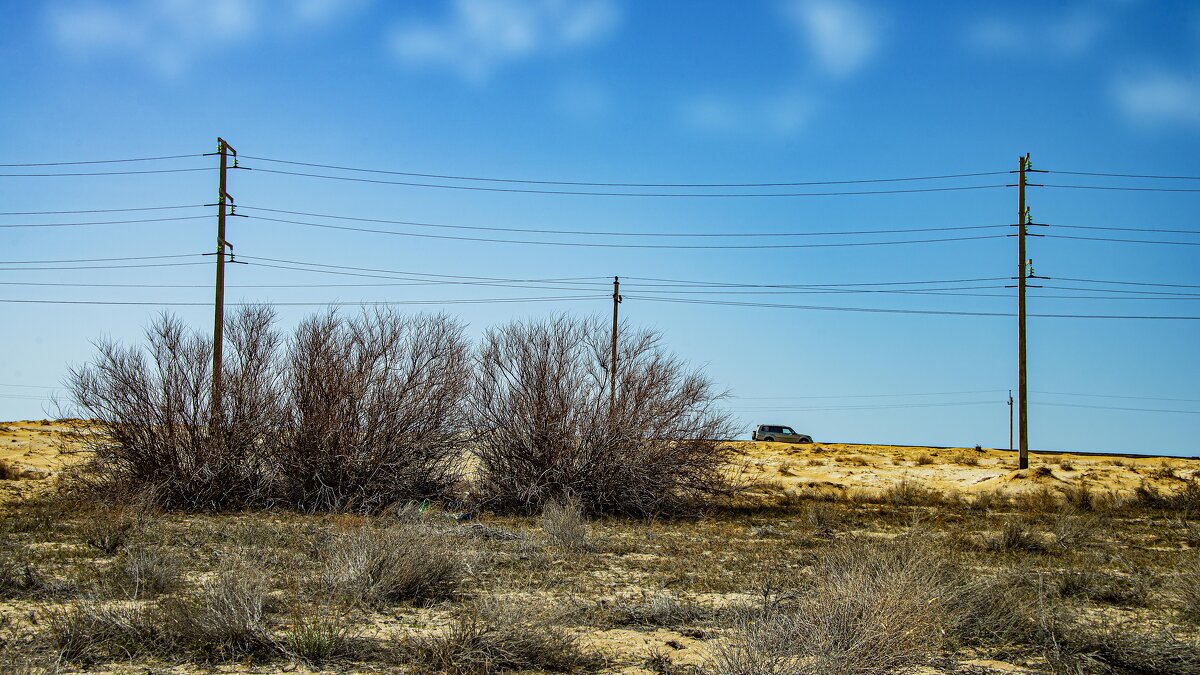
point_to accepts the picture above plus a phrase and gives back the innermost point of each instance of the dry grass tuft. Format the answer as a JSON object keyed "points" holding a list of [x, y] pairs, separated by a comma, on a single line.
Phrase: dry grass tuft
{"points": [[319, 630], [8, 471], [141, 571], [565, 526], [924, 459], [658, 610], [871, 608], [1016, 534], [225, 620], [498, 635], [398, 563]]}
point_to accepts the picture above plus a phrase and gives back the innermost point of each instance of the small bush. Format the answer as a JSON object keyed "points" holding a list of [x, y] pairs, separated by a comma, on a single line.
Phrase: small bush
{"points": [[399, 563], [658, 610], [227, 619], [1187, 588], [87, 630], [319, 630], [108, 533], [497, 635], [141, 571], [565, 527], [1072, 530], [871, 608], [18, 576], [549, 428], [924, 459], [8, 471], [1015, 534]]}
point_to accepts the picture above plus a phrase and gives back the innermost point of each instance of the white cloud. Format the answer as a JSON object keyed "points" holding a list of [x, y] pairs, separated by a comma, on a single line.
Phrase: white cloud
{"points": [[480, 36], [1067, 35], [169, 35], [782, 116], [842, 36], [1159, 98]]}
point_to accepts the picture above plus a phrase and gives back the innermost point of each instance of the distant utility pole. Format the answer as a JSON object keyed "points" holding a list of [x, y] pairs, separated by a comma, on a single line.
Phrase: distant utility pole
{"points": [[1022, 389], [224, 150], [612, 399]]}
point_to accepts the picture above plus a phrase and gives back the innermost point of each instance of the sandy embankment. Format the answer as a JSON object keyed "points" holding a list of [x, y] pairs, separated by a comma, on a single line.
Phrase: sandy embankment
{"points": [[38, 450]]}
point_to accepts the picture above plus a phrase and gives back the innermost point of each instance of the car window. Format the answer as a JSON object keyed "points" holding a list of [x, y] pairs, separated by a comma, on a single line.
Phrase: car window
{"points": [[775, 430], [787, 430]]}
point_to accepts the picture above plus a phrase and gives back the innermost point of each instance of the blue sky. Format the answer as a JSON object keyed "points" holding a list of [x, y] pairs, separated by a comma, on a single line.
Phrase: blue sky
{"points": [[645, 92]]}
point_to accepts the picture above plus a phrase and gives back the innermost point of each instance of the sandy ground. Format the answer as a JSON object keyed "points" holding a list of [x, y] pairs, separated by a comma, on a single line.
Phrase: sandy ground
{"points": [[38, 450], [836, 468]]}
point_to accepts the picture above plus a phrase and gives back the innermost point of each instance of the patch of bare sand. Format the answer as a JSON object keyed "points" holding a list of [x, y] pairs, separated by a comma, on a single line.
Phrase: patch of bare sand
{"points": [[34, 451], [778, 469]]}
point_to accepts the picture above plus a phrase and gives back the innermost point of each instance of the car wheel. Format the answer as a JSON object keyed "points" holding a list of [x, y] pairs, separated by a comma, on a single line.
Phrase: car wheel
{"points": [[769, 439]]}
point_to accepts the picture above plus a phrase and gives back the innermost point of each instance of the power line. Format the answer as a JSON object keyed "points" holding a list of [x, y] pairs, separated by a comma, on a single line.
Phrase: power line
{"points": [[893, 406], [421, 274], [935, 393], [686, 282], [643, 246], [361, 303], [606, 232], [1120, 229], [103, 173], [1131, 398], [478, 188], [1124, 241], [101, 267], [106, 161], [1109, 407], [105, 222], [1120, 175], [58, 213], [83, 260], [1128, 283], [1117, 188], [883, 310], [644, 185]]}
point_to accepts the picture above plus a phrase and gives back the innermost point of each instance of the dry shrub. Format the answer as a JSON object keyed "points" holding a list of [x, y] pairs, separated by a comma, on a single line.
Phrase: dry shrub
{"points": [[498, 635], [1187, 589], [1072, 530], [1016, 534], [398, 563], [565, 526], [373, 411], [1042, 500], [87, 631], [154, 427], [871, 608], [658, 610], [908, 493], [541, 403], [924, 459], [141, 571], [226, 619], [8, 471], [967, 459], [18, 576], [320, 629], [1186, 498]]}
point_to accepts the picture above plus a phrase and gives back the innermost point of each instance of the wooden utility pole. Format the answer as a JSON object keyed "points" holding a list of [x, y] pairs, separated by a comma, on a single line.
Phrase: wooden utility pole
{"points": [[1022, 389], [223, 149], [612, 399]]}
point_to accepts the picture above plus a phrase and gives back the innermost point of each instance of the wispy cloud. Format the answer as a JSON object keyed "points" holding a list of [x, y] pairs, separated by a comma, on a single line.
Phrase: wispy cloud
{"points": [[1068, 34], [169, 35], [841, 36], [782, 116], [481, 36], [1159, 98]]}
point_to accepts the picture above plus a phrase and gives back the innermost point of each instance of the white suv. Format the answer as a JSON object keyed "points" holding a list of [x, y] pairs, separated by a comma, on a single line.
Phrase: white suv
{"points": [[774, 432]]}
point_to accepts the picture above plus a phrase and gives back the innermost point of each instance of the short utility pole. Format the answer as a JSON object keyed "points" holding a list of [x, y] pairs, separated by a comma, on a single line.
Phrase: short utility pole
{"points": [[1022, 389], [612, 399], [223, 198]]}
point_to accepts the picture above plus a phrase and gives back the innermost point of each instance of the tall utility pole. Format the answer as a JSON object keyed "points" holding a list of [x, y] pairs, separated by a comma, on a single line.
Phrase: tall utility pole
{"points": [[1022, 390], [223, 149], [612, 399]]}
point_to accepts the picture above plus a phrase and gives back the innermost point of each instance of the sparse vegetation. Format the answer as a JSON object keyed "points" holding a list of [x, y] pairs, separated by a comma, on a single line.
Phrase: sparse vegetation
{"points": [[380, 565], [565, 526]]}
